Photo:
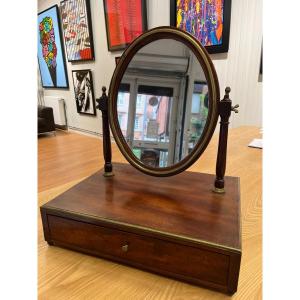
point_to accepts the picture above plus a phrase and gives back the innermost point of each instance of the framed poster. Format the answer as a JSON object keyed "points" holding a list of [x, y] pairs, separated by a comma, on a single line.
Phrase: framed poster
{"points": [[125, 20], [51, 56], [84, 92], [77, 29], [207, 20]]}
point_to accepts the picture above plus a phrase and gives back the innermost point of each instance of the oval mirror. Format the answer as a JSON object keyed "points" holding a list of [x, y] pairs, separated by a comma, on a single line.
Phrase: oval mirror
{"points": [[163, 101]]}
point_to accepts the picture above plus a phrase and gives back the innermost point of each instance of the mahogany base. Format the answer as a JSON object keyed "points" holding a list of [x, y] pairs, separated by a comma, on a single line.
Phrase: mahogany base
{"points": [[174, 226]]}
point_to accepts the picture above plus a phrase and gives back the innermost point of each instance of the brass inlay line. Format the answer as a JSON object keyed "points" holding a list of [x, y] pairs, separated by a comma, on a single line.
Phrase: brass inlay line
{"points": [[147, 229]]}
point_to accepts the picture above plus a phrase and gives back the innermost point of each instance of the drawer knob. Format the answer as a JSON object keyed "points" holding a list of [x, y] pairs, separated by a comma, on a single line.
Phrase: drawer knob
{"points": [[125, 248]]}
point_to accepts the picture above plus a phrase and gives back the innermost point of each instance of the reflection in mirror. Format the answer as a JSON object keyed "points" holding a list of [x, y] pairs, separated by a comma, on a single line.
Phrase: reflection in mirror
{"points": [[163, 103]]}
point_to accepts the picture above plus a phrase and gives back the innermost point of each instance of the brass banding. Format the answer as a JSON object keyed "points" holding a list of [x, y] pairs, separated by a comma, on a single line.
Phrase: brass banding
{"points": [[145, 229]]}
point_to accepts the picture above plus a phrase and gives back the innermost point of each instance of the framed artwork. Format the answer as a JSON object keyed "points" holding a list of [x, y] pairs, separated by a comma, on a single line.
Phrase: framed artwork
{"points": [[207, 20], [51, 56], [261, 62], [84, 93], [260, 73], [125, 20], [77, 29]]}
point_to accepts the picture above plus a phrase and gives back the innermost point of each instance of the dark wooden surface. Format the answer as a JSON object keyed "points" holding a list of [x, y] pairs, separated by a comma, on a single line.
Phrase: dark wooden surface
{"points": [[182, 205], [103, 106], [224, 112]]}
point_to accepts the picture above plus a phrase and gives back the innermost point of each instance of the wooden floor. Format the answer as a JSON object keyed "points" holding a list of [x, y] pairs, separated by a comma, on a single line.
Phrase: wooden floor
{"points": [[67, 158]]}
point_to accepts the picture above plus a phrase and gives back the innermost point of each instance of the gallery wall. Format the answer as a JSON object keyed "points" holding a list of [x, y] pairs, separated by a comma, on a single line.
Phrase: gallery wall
{"points": [[239, 68]]}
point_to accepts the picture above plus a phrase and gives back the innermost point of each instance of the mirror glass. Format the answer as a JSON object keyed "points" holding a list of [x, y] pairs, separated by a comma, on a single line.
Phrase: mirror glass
{"points": [[163, 103]]}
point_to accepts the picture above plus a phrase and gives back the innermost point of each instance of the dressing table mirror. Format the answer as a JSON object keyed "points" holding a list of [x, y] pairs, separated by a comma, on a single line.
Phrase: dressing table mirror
{"points": [[162, 108]]}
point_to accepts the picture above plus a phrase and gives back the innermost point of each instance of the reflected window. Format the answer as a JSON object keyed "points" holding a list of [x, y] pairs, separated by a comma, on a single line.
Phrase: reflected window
{"points": [[139, 102], [120, 119], [199, 112], [196, 103], [121, 99], [151, 124], [123, 106], [163, 100], [137, 124]]}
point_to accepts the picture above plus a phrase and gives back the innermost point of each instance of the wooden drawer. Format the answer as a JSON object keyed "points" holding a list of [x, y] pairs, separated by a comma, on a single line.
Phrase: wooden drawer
{"points": [[169, 258]]}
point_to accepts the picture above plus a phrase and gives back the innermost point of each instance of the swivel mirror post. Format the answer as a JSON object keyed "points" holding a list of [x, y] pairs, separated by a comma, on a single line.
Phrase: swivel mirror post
{"points": [[103, 106], [225, 109]]}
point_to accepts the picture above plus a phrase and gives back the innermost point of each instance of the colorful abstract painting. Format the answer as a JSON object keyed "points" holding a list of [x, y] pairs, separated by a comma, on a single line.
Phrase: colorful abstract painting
{"points": [[77, 29], [207, 20], [50, 52]]}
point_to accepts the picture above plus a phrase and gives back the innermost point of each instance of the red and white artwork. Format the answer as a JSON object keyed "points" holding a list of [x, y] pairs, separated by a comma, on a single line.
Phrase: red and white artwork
{"points": [[76, 28]]}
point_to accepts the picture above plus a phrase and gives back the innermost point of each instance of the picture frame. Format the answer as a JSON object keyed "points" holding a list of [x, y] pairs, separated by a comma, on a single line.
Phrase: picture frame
{"points": [[84, 92], [215, 38], [77, 30], [51, 55], [120, 12], [260, 71], [261, 61]]}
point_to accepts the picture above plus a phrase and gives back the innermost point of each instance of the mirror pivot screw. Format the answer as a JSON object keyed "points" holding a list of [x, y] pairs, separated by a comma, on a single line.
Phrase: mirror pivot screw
{"points": [[234, 108]]}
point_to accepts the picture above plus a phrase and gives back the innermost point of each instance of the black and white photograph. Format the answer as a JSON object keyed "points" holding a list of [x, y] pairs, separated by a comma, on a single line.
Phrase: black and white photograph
{"points": [[84, 94]]}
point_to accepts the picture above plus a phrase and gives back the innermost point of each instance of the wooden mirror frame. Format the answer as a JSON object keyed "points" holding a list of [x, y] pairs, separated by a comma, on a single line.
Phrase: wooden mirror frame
{"points": [[199, 51]]}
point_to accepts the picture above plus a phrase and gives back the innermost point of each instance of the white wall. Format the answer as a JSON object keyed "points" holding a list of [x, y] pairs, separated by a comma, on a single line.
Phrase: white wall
{"points": [[238, 68]]}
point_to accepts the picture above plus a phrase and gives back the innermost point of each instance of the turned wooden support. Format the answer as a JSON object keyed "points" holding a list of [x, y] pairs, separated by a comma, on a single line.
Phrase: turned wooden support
{"points": [[103, 106], [225, 109]]}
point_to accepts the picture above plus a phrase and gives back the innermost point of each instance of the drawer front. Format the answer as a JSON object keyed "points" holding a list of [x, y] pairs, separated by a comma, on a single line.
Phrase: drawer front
{"points": [[154, 253]]}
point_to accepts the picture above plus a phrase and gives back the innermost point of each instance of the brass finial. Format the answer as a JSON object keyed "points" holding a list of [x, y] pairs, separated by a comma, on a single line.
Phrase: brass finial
{"points": [[104, 89]]}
